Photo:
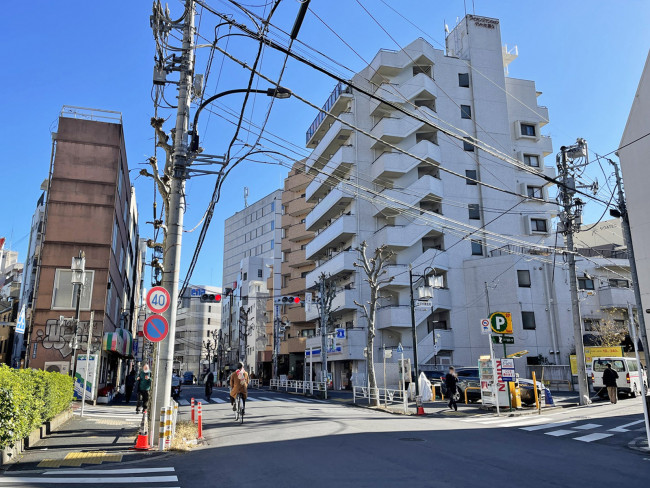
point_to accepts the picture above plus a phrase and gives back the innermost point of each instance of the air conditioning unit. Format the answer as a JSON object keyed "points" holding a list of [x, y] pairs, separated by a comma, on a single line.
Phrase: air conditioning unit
{"points": [[62, 367]]}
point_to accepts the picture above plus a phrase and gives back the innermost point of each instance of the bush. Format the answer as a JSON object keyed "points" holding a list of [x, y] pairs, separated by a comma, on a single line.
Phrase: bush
{"points": [[28, 398]]}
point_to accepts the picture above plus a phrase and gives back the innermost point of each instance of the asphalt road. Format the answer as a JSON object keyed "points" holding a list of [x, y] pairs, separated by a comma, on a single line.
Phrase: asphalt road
{"points": [[292, 441]]}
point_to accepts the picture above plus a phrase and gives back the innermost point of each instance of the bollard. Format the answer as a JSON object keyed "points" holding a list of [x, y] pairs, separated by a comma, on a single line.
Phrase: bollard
{"points": [[168, 427], [161, 431], [192, 407], [174, 418], [200, 423]]}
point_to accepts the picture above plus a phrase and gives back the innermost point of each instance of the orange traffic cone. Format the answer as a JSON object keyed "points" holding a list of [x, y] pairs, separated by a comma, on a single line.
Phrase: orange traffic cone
{"points": [[142, 442], [421, 410]]}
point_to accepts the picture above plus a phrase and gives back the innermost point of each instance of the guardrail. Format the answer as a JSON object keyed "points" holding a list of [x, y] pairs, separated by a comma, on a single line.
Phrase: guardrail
{"points": [[470, 388], [385, 395], [299, 386], [254, 383], [433, 390]]}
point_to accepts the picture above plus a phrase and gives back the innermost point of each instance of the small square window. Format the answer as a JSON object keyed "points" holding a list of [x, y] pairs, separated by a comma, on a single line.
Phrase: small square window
{"points": [[245, 276], [528, 130], [468, 145], [474, 211], [585, 284], [534, 191], [531, 160], [259, 273], [523, 278], [463, 80], [538, 225], [528, 320], [477, 248], [471, 177], [617, 283], [465, 112]]}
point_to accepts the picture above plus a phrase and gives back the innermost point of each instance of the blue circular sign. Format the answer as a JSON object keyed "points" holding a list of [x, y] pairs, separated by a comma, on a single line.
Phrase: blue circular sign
{"points": [[155, 328]]}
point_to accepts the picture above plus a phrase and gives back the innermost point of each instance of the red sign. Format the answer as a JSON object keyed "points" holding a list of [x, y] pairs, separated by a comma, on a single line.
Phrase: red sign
{"points": [[158, 299], [155, 328]]}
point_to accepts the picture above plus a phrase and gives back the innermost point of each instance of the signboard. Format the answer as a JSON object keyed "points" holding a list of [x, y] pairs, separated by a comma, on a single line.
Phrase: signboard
{"points": [[485, 326], [313, 342], [155, 328], [90, 377], [423, 304], [501, 322], [20, 323], [312, 352], [486, 376], [308, 301], [400, 349], [197, 292], [158, 299], [503, 340], [388, 353], [508, 369], [595, 352], [339, 333]]}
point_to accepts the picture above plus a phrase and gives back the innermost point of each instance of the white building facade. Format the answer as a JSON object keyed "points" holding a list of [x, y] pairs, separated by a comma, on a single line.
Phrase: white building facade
{"points": [[441, 224]]}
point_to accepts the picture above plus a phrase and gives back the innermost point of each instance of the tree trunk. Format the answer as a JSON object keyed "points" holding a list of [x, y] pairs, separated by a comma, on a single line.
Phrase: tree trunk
{"points": [[372, 379]]}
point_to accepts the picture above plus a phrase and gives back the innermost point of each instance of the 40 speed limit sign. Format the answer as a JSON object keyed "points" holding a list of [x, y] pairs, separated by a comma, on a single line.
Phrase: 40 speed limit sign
{"points": [[158, 299]]}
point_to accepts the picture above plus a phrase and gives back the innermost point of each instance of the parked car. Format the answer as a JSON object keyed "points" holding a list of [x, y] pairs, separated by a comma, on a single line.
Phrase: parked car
{"points": [[437, 375], [189, 378], [176, 386], [528, 392], [469, 377], [629, 379]]}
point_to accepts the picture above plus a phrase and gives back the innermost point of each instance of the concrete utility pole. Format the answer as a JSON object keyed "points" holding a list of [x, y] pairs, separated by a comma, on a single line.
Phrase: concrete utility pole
{"points": [[172, 251], [627, 236], [571, 219], [276, 341], [323, 328]]}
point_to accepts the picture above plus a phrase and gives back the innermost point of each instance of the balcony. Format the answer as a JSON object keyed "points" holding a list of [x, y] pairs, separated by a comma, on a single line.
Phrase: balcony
{"points": [[444, 340], [615, 297], [427, 186], [394, 129], [334, 171], [391, 165], [543, 113], [296, 259], [399, 317], [332, 140], [335, 104], [340, 230], [432, 258], [295, 286], [339, 263], [420, 86], [403, 236], [344, 300], [292, 345], [294, 314], [546, 145], [297, 233], [331, 206]]}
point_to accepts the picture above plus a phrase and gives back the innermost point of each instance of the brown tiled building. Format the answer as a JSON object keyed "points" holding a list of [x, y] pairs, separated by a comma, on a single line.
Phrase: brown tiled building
{"points": [[294, 270], [90, 207]]}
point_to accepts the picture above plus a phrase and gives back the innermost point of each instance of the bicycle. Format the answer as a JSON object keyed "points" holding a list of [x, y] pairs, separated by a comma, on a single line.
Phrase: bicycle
{"points": [[239, 410]]}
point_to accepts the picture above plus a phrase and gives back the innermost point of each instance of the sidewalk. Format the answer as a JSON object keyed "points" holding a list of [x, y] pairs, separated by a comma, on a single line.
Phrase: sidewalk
{"points": [[105, 435]]}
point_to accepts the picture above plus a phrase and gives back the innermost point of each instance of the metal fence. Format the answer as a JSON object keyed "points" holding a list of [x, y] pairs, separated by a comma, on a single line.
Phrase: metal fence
{"points": [[554, 376], [386, 396], [299, 386]]}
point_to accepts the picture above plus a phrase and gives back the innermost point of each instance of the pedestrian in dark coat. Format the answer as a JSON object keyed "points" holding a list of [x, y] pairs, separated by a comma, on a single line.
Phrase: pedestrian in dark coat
{"points": [[451, 382], [609, 380], [128, 386]]}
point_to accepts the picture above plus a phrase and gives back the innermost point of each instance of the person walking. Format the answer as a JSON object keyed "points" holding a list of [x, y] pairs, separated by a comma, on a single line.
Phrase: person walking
{"points": [[609, 380], [451, 382], [209, 383], [128, 386], [144, 386]]}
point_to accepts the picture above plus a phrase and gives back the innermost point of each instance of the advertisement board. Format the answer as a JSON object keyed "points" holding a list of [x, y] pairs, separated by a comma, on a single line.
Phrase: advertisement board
{"points": [[90, 377], [595, 352]]}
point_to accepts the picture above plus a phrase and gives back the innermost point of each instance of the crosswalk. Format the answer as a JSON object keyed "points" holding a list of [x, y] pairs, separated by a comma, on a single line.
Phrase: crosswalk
{"points": [[118, 477], [126, 414], [578, 430], [267, 398]]}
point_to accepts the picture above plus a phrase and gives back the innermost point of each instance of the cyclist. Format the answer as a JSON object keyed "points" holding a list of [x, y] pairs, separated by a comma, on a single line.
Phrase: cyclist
{"points": [[239, 384]]}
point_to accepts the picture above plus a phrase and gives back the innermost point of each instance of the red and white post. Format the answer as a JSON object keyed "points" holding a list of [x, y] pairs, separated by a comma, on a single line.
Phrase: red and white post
{"points": [[192, 407], [200, 423]]}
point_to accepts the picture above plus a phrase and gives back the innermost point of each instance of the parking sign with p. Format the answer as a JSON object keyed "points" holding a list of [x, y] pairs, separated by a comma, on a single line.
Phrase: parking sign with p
{"points": [[501, 322]]}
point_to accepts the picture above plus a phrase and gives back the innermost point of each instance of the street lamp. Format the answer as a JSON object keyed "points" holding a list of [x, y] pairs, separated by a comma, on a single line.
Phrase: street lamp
{"points": [[78, 268], [425, 292], [278, 92]]}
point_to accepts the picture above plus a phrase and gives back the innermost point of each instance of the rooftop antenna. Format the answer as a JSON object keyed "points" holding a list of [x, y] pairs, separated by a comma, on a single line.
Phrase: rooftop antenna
{"points": [[245, 197]]}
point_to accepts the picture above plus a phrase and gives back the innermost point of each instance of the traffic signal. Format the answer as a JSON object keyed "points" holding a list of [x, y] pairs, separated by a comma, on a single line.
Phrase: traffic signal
{"points": [[210, 298], [286, 300]]}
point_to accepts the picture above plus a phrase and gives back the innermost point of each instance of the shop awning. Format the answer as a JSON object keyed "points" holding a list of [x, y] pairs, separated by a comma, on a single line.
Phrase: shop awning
{"points": [[119, 342]]}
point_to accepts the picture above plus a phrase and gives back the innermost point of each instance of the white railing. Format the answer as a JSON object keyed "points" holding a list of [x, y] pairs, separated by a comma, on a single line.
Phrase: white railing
{"points": [[299, 386], [254, 383], [386, 396]]}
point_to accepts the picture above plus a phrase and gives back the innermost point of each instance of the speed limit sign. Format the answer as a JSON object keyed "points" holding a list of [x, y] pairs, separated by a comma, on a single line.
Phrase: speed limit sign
{"points": [[158, 299]]}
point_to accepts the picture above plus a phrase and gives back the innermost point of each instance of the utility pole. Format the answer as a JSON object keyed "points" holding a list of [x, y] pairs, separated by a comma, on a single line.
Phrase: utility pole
{"points": [[173, 240], [276, 340], [323, 327], [627, 236], [414, 333], [571, 219]]}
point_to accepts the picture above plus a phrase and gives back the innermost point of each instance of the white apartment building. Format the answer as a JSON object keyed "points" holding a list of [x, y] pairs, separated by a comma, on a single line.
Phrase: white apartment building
{"points": [[195, 323], [423, 213]]}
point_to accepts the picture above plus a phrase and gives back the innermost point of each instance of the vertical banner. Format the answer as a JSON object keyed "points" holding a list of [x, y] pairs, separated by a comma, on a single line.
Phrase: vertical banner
{"points": [[90, 377]]}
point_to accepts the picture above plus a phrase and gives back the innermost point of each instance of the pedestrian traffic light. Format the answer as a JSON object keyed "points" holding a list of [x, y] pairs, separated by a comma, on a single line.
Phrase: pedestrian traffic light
{"points": [[286, 300], [210, 298]]}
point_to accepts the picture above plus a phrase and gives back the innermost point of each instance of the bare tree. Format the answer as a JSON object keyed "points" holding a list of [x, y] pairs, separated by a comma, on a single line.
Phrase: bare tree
{"points": [[374, 269], [327, 292], [610, 331]]}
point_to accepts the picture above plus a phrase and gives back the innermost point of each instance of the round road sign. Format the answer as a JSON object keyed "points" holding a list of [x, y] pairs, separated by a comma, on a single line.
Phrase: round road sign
{"points": [[501, 322], [485, 323], [155, 328], [158, 299]]}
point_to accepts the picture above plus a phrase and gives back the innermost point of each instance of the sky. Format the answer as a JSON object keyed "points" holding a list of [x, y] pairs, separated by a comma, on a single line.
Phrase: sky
{"points": [[587, 61]]}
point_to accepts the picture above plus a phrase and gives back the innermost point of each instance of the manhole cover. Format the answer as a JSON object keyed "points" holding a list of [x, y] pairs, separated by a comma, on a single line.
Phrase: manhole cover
{"points": [[410, 439]]}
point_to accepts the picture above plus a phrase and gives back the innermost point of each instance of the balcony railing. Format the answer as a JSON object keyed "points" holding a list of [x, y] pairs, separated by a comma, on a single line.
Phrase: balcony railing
{"points": [[331, 100]]}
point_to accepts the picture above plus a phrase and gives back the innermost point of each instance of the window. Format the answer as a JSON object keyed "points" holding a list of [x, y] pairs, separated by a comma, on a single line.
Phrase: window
{"points": [[477, 248], [115, 236], [528, 130], [616, 283], [272, 244], [307, 332], [523, 278], [426, 70], [463, 80], [465, 112], [538, 225], [471, 177], [534, 191], [428, 103], [64, 296], [591, 324], [272, 225], [120, 177], [474, 211], [209, 308], [531, 160], [468, 145], [245, 277], [528, 320], [259, 273], [585, 284], [208, 320]]}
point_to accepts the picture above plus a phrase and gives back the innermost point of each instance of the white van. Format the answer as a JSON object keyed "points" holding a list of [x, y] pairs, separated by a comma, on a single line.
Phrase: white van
{"points": [[628, 375]]}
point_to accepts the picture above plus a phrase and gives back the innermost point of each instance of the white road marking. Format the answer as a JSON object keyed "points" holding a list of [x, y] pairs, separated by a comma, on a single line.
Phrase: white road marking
{"points": [[267, 399], [548, 426], [587, 426], [17, 480], [218, 400], [559, 433], [302, 400], [251, 399], [592, 437], [109, 471], [623, 428]]}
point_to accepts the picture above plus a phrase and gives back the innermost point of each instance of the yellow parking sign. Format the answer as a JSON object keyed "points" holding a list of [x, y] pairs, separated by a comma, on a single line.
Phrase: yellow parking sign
{"points": [[501, 322]]}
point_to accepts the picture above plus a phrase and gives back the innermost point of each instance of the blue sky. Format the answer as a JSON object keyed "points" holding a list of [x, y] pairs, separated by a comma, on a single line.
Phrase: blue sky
{"points": [[586, 60]]}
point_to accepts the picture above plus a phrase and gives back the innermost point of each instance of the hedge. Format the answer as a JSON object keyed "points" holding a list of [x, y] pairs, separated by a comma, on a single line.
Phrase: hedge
{"points": [[29, 397]]}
